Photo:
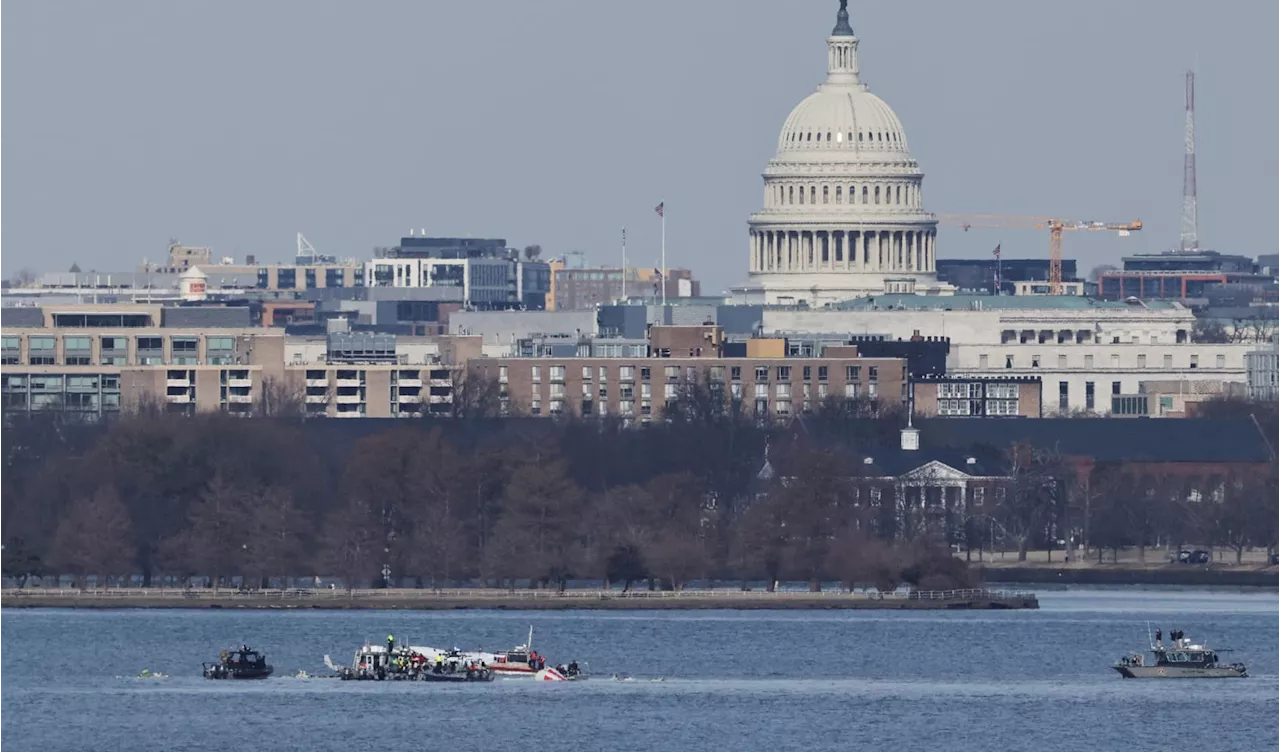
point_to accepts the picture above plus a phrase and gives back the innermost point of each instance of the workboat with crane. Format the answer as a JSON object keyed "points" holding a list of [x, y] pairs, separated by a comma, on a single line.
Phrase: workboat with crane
{"points": [[1182, 659]]}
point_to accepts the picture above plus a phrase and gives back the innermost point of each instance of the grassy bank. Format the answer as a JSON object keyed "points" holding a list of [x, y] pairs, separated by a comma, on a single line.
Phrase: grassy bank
{"points": [[435, 600]]}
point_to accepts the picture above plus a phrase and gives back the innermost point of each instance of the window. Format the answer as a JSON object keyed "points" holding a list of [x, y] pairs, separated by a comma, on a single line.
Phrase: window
{"points": [[791, 194], [824, 194], [12, 347], [783, 391], [802, 195], [1062, 395], [502, 374], [1008, 361], [535, 374], [839, 194], [42, 351], [1115, 360], [822, 373], [1088, 395], [604, 373], [762, 373], [627, 373], [1115, 387], [1195, 361], [784, 373], [762, 391], [717, 374], [672, 373], [877, 194], [1220, 361], [1035, 361], [535, 406], [1142, 361], [851, 390], [1168, 362], [813, 194], [852, 373], [735, 373], [808, 373], [873, 373], [644, 373], [586, 373], [982, 361], [1062, 361], [556, 373]]}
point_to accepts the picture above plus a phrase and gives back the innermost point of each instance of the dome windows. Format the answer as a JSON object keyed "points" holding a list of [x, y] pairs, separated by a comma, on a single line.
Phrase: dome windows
{"points": [[839, 194], [839, 137]]}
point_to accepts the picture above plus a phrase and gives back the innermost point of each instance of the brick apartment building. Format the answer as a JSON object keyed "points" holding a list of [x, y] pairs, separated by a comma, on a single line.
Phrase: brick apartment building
{"points": [[638, 389]]}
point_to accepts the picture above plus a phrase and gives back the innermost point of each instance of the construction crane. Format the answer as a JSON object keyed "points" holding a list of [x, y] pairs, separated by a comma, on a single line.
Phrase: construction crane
{"points": [[1053, 225]]}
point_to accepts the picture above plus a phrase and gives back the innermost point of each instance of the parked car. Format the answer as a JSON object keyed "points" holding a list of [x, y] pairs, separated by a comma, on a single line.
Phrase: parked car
{"points": [[1198, 556]]}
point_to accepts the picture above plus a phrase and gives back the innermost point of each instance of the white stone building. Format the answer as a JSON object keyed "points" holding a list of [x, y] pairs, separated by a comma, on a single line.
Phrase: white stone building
{"points": [[1084, 351], [843, 212]]}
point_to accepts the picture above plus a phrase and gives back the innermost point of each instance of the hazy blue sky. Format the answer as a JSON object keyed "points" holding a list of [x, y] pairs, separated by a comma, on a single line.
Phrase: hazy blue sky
{"points": [[236, 124]]}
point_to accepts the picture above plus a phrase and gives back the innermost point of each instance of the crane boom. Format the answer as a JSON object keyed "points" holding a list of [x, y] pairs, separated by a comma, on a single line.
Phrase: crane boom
{"points": [[1054, 225]]}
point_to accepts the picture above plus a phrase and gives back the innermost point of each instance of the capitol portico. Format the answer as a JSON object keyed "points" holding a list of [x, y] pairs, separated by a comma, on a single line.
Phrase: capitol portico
{"points": [[843, 214]]}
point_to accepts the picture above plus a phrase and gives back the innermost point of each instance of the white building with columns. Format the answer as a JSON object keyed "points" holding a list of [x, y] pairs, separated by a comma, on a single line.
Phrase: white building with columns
{"points": [[843, 212]]}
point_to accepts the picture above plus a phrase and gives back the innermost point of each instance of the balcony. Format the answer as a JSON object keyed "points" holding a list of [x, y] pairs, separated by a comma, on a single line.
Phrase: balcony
{"points": [[243, 383], [318, 382], [351, 414], [317, 399], [181, 383], [355, 383], [410, 383], [436, 382], [415, 397], [240, 399], [440, 399], [348, 399], [178, 399]]}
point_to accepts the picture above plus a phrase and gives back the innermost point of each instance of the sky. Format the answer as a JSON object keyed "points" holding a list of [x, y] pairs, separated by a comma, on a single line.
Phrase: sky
{"points": [[237, 124]]}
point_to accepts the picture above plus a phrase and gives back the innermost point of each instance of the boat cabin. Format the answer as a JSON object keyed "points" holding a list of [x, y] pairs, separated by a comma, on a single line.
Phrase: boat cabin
{"points": [[1192, 656], [244, 657]]}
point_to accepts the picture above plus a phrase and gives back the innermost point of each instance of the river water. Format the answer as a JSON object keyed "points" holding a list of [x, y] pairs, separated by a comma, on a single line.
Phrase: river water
{"points": [[729, 680]]}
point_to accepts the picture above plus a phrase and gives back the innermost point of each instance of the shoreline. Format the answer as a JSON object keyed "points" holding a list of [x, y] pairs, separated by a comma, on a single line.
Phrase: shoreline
{"points": [[1039, 574], [503, 600]]}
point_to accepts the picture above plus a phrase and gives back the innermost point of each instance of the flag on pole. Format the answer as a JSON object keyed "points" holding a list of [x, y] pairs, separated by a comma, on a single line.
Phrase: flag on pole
{"points": [[996, 252], [658, 208]]}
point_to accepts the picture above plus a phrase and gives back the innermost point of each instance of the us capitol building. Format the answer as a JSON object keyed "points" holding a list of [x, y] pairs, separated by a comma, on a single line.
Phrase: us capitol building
{"points": [[843, 212]]}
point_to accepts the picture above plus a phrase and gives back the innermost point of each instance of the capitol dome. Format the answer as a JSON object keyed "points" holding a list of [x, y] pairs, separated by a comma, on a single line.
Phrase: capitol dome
{"points": [[843, 213], [846, 121]]}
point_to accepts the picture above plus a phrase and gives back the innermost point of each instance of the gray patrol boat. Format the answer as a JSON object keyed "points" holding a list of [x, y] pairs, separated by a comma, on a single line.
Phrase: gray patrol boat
{"points": [[1181, 660]]}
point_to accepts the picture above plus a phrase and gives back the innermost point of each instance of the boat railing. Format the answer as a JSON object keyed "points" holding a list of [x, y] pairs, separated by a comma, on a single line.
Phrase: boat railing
{"points": [[968, 594]]}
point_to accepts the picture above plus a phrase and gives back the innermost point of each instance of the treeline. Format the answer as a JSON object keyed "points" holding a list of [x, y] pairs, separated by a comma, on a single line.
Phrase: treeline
{"points": [[443, 502], [437, 503]]}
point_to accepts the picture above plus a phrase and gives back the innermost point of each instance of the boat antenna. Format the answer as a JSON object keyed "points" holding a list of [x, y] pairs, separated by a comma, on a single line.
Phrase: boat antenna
{"points": [[1150, 640], [529, 645]]}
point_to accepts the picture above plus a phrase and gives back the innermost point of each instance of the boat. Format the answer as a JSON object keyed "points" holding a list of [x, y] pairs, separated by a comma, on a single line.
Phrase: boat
{"points": [[1182, 659], [523, 661], [239, 663], [379, 663]]}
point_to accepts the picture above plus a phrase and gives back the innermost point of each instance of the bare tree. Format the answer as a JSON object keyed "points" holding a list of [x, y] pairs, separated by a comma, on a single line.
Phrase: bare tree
{"points": [[94, 537], [279, 399], [24, 277], [532, 252]]}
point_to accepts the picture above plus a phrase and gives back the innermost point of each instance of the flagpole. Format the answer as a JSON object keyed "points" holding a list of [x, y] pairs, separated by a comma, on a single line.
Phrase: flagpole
{"points": [[663, 204], [624, 265]]}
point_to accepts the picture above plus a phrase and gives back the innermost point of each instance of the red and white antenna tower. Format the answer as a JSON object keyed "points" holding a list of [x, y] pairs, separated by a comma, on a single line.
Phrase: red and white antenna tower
{"points": [[1190, 234]]}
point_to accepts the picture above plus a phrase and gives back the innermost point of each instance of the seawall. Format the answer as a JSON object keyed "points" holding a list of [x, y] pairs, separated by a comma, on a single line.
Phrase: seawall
{"points": [[1181, 575], [429, 600]]}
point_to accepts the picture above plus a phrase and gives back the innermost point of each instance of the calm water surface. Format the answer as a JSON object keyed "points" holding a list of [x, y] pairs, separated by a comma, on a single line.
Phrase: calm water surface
{"points": [[732, 680]]}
